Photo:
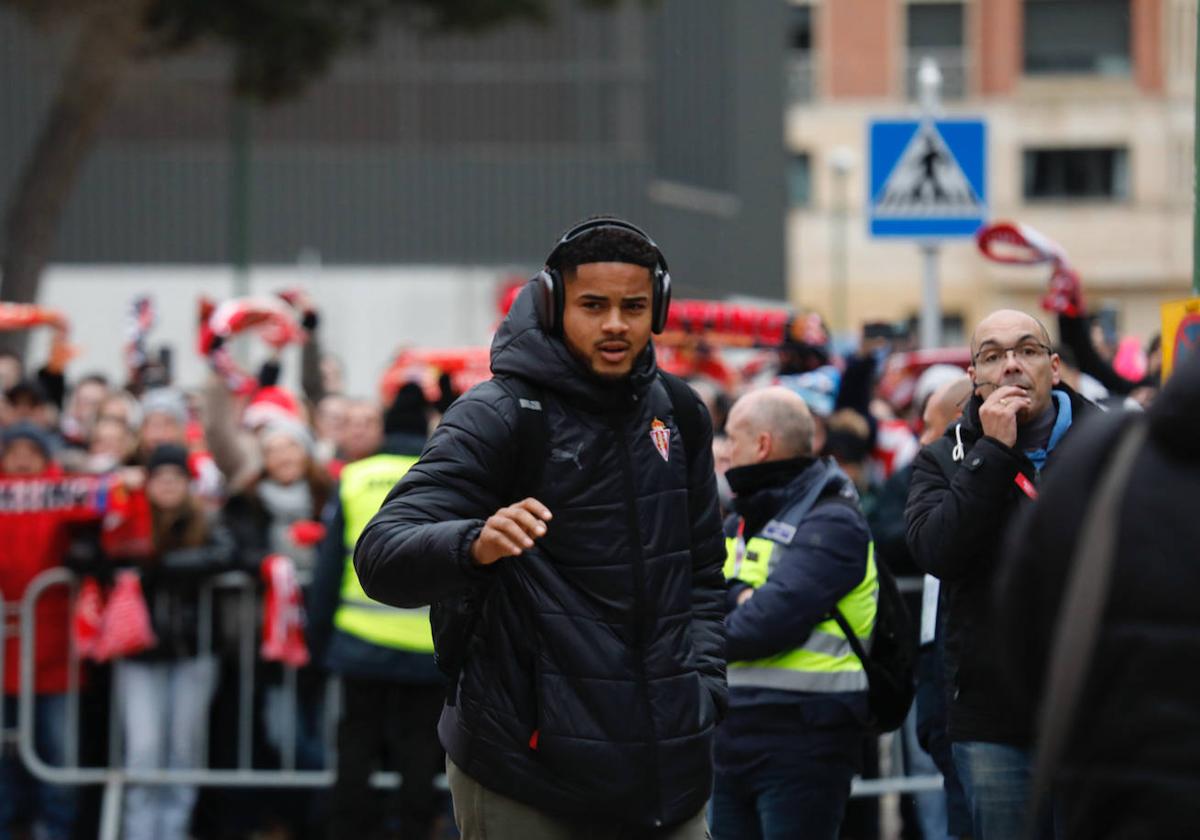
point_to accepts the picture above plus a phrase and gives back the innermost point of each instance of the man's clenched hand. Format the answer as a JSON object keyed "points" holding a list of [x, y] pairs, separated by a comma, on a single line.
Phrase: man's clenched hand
{"points": [[509, 531]]}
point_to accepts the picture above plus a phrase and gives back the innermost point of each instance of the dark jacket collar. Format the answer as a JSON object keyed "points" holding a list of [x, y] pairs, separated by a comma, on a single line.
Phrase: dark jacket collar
{"points": [[521, 348], [763, 490]]}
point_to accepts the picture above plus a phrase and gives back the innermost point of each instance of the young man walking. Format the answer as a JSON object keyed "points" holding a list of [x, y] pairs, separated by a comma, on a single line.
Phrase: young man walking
{"points": [[594, 669]]}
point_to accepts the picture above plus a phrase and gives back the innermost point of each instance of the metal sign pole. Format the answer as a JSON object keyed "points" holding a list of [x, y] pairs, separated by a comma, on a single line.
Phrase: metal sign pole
{"points": [[1196, 180], [931, 300], [929, 79]]}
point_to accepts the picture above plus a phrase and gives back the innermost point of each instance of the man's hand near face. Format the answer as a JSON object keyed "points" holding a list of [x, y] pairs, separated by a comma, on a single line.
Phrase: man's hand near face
{"points": [[998, 414], [509, 531]]}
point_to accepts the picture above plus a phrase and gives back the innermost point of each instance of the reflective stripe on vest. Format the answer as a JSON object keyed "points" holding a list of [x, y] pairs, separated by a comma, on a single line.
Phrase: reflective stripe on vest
{"points": [[364, 486], [825, 662]]}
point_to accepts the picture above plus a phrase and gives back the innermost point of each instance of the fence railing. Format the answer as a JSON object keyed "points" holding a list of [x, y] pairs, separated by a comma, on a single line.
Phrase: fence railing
{"points": [[114, 776]]}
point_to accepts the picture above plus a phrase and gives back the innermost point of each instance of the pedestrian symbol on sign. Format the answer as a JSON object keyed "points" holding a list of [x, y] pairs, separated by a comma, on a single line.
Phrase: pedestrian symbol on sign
{"points": [[927, 182]]}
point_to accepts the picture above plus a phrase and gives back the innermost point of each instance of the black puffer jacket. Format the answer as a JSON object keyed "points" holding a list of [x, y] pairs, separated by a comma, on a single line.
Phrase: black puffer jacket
{"points": [[606, 639], [958, 514], [1129, 768], [171, 584]]}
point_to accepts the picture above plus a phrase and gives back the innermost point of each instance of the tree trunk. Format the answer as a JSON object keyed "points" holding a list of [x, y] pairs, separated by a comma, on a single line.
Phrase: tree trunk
{"points": [[106, 47]]}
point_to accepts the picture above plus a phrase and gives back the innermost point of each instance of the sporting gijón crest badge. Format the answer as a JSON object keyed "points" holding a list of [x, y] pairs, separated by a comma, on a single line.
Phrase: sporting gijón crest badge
{"points": [[661, 435]]}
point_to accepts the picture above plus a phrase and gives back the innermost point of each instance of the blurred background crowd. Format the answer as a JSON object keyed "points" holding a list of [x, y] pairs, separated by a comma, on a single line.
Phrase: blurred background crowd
{"points": [[238, 468], [355, 183]]}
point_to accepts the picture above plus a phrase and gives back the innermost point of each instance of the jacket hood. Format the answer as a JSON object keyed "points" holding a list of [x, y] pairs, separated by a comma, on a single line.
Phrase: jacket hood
{"points": [[1175, 412], [521, 348]]}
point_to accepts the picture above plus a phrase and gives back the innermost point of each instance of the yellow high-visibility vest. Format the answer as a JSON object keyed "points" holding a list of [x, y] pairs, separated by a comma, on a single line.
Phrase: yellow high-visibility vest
{"points": [[825, 662], [364, 486]]}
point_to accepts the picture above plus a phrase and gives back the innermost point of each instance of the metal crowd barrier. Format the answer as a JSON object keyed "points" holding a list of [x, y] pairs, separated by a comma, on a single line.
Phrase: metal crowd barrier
{"points": [[891, 745], [242, 775], [115, 775]]}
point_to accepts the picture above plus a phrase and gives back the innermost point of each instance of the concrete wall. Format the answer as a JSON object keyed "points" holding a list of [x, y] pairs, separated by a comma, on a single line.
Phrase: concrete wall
{"points": [[367, 313]]}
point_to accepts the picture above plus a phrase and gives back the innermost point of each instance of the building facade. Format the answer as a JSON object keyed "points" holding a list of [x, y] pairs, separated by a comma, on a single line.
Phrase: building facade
{"points": [[1089, 106]]}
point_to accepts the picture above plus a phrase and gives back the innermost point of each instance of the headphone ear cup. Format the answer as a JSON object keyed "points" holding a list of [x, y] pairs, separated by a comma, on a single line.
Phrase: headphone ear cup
{"points": [[548, 301], [661, 301]]}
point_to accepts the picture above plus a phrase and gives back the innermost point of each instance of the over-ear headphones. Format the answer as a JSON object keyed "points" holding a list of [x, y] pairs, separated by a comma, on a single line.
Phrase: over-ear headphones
{"points": [[550, 296]]}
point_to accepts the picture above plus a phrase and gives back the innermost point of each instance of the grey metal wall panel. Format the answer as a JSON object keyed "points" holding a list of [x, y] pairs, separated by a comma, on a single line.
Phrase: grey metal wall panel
{"points": [[693, 93], [720, 187], [454, 150], [385, 209]]}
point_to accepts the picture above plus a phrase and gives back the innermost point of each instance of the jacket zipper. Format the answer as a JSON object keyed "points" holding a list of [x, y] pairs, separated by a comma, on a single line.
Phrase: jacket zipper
{"points": [[639, 588]]}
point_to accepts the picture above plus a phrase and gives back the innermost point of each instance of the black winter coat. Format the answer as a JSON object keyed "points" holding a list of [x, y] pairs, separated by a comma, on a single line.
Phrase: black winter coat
{"points": [[606, 639], [1129, 769], [958, 514], [172, 583]]}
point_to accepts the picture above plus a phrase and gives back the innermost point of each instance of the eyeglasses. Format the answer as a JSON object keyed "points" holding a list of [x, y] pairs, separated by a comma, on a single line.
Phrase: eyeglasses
{"points": [[1025, 352]]}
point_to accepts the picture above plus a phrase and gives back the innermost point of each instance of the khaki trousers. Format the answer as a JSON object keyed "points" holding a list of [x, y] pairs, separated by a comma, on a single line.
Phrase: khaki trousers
{"points": [[483, 814]]}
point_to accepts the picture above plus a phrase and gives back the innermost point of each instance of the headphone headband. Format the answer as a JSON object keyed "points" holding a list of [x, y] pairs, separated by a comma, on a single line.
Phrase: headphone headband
{"points": [[606, 223]]}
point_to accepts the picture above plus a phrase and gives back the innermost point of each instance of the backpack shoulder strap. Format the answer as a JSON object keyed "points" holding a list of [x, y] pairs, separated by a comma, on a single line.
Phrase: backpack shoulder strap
{"points": [[686, 407], [533, 432]]}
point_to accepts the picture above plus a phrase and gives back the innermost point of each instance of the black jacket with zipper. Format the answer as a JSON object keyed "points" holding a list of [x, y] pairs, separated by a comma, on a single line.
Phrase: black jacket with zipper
{"points": [[595, 674], [958, 513]]}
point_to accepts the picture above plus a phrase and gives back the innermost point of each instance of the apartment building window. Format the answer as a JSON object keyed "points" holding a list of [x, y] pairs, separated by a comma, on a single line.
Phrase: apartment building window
{"points": [[801, 83], [1096, 174], [1077, 36], [935, 30], [799, 180]]}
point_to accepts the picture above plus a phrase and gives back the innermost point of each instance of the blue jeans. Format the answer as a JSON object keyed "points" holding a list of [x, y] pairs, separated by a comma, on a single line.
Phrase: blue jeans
{"points": [[165, 723], [780, 803], [23, 797], [996, 779]]}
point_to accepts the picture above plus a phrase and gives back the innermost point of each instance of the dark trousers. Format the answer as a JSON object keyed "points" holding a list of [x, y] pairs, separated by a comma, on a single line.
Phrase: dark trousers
{"points": [[934, 737], [781, 802], [387, 726]]}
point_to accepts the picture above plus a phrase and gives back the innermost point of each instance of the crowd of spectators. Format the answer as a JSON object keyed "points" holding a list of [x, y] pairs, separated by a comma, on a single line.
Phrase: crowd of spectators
{"points": [[229, 479]]}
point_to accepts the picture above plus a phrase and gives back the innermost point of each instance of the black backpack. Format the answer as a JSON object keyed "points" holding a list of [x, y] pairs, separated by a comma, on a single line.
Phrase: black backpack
{"points": [[453, 620], [891, 664]]}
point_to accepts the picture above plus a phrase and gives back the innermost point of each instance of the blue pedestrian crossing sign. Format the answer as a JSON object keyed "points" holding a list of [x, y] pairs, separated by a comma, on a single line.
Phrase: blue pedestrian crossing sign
{"points": [[928, 178]]}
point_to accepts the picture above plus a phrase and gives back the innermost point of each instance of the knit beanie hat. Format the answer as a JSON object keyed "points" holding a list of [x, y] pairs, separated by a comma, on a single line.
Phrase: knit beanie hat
{"points": [[168, 455], [293, 429], [169, 401], [30, 432]]}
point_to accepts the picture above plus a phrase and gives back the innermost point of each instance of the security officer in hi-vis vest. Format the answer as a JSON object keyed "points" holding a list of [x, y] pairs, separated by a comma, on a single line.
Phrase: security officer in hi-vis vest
{"points": [[392, 690], [798, 546]]}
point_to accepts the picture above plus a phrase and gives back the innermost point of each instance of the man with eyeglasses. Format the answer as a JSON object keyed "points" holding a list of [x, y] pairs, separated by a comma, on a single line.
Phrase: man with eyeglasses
{"points": [[966, 489]]}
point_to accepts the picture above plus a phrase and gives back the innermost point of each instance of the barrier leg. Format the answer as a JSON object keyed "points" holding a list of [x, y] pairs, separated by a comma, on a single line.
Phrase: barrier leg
{"points": [[289, 713], [246, 710], [110, 812]]}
